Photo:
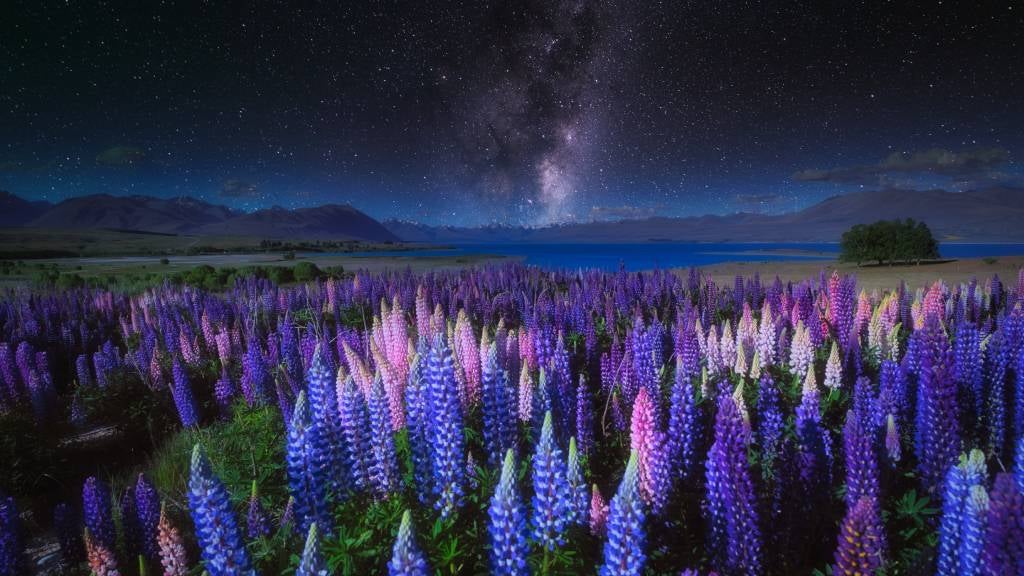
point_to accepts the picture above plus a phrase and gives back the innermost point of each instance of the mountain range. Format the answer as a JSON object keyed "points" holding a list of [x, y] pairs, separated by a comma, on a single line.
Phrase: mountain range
{"points": [[190, 216], [986, 215]]}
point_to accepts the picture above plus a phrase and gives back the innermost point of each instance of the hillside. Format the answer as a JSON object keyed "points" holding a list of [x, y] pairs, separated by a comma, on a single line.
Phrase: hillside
{"points": [[190, 216], [331, 221], [145, 213]]}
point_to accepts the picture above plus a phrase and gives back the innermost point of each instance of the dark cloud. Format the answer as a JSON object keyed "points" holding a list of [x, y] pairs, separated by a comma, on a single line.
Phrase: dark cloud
{"points": [[235, 188], [120, 156], [898, 165]]}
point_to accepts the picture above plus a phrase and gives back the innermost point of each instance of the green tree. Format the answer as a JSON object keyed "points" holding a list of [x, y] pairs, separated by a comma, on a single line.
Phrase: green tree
{"points": [[888, 241]]}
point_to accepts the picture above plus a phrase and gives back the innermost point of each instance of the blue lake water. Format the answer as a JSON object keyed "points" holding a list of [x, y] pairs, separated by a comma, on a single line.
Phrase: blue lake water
{"points": [[671, 254]]}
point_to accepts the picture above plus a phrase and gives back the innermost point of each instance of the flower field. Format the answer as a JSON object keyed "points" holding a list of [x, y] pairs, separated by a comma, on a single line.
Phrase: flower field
{"points": [[515, 420]]}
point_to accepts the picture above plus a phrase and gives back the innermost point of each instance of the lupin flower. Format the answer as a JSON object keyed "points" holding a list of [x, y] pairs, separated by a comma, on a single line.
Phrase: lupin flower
{"points": [[312, 563], [937, 438], [578, 493], [648, 441], [257, 520], [223, 392], [683, 426], [97, 514], [355, 428], [860, 549], [892, 440], [184, 401], [624, 553], [861, 465], [101, 559], [833, 369], [969, 472], [287, 518], [12, 561], [383, 469], [416, 424], [731, 505], [326, 429], [1018, 463], [508, 524], [82, 370], [801, 351], [525, 395], [446, 441], [468, 354], [306, 472], [147, 510], [550, 507], [499, 420], [254, 374], [584, 417], [766, 340], [770, 420], [972, 532], [173, 557], [1004, 536], [598, 513], [813, 443], [220, 540], [406, 558]]}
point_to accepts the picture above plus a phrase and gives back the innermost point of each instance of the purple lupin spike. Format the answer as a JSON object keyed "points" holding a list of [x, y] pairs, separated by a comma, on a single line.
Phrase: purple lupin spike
{"points": [[97, 514], [860, 549], [937, 435], [147, 509], [184, 401], [731, 506], [1003, 552]]}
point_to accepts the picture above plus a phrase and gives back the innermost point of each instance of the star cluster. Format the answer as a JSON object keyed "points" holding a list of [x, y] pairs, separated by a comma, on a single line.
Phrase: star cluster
{"points": [[509, 112]]}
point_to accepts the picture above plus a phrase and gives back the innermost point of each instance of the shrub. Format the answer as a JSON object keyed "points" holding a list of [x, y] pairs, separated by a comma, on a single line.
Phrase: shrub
{"points": [[306, 272]]}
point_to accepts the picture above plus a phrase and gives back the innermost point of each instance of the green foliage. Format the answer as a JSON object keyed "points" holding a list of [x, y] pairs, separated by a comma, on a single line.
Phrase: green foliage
{"points": [[989, 260], [127, 403], [306, 272], [889, 242], [911, 522], [248, 447], [365, 533], [69, 281]]}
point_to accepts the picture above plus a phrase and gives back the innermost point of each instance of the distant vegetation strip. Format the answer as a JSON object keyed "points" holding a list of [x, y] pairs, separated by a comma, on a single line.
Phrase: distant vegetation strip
{"points": [[203, 276]]}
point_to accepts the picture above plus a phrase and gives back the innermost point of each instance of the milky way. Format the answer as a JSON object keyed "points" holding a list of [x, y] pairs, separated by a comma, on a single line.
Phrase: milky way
{"points": [[510, 111], [535, 103]]}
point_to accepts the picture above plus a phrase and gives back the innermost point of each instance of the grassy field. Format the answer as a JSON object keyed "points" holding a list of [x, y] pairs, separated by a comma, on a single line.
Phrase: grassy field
{"points": [[20, 243], [140, 271], [871, 277]]}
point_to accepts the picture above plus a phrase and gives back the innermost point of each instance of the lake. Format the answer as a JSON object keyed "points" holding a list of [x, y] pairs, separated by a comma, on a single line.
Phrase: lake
{"points": [[671, 254]]}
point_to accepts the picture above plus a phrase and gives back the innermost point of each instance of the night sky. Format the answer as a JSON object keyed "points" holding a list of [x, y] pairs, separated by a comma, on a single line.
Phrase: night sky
{"points": [[510, 112]]}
